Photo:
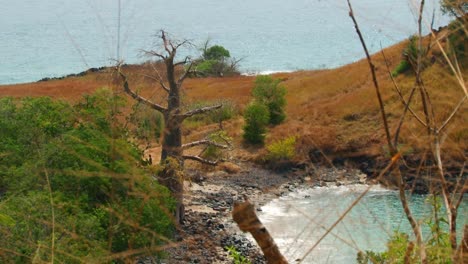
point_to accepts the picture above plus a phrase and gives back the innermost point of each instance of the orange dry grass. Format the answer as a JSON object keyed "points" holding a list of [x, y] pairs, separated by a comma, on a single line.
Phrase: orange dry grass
{"points": [[334, 109]]}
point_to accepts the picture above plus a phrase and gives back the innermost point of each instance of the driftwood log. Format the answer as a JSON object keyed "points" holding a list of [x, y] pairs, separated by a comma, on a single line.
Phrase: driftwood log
{"points": [[246, 218]]}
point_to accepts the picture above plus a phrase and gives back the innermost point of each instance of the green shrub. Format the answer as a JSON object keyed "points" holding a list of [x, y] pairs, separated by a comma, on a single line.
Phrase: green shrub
{"points": [[68, 174], [256, 118], [402, 67], [236, 256], [437, 246], [207, 68], [215, 61], [213, 152], [282, 149], [216, 53], [458, 41], [269, 92], [410, 57], [148, 124], [227, 111]]}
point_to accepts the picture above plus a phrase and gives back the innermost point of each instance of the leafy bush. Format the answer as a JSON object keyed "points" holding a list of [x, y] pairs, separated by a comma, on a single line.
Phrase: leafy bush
{"points": [[236, 256], [216, 61], [402, 67], [256, 118], [410, 57], [458, 41], [216, 53], [69, 176], [227, 111], [282, 149], [269, 92], [148, 124], [213, 152], [438, 248]]}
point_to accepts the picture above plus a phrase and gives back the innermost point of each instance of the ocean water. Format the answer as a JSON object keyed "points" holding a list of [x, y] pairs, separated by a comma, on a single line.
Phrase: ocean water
{"points": [[298, 220], [57, 37]]}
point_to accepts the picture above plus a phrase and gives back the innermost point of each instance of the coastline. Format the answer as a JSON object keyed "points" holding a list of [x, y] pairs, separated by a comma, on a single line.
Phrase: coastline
{"points": [[208, 228]]}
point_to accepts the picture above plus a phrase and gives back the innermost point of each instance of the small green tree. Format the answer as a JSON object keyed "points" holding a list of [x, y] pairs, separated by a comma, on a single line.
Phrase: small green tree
{"points": [[215, 61], [269, 92], [256, 118], [216, 52]]}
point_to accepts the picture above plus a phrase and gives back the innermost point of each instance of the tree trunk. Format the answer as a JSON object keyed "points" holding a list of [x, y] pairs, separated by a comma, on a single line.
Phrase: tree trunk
{"points": [[172, 144], [172, 177]]}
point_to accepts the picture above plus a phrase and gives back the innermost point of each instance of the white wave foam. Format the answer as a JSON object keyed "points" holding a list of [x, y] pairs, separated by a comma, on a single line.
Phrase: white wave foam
{"points": [[268, 72]]}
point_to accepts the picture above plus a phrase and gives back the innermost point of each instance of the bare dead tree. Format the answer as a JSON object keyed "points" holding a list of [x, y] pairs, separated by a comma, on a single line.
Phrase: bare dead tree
{"points": [[174, 115]]}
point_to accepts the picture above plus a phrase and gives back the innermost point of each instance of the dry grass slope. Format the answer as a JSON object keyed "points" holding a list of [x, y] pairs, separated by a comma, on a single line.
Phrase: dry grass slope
{"points": [[332, 110]]}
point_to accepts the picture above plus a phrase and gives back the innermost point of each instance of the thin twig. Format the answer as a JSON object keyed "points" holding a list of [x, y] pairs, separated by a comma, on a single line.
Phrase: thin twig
{"points": [[451, 115], [400, 94], [374, 79]]}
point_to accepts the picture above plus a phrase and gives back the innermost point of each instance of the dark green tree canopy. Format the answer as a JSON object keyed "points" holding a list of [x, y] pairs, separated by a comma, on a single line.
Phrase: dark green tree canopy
{"points": [[256, 118], [216, 52], [270, 92]]}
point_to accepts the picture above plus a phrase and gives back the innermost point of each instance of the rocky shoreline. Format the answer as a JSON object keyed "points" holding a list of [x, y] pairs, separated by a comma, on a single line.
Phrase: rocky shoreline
{"points": [[208, 228]]}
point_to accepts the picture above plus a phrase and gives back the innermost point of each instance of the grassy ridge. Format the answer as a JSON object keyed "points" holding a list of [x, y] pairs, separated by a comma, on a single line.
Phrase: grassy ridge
{"points": [[333, 110]]}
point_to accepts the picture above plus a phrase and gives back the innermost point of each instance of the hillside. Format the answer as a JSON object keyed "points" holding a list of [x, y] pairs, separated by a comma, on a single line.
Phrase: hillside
{"points": [[334, 112]]}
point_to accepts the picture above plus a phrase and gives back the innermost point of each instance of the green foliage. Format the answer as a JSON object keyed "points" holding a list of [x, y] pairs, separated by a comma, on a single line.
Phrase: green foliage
{"points": [[5, 220], [410, 57], [402, 67], [269, 92], [216, 53], [227, 111], [458, 41], [396, 250], [213, 152], [438, 247], [208, 67], [256, 118], [148, 124], [282, 149], [102, 202], [215, 61], [236, 256]]}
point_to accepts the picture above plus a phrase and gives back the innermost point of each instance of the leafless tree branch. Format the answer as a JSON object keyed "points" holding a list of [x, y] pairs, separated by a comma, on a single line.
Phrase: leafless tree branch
{"points": [[154, 53], [201, 110], [204, 142], [166, 43], [400, 94], [200, 159], [451, 115], [374, 79], [159, 80], [137, 97], [185, 74]]}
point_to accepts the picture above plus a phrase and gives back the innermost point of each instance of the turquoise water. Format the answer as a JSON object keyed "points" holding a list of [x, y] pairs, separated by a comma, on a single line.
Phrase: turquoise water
{"points": [[56, 37], [298, 220]]}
